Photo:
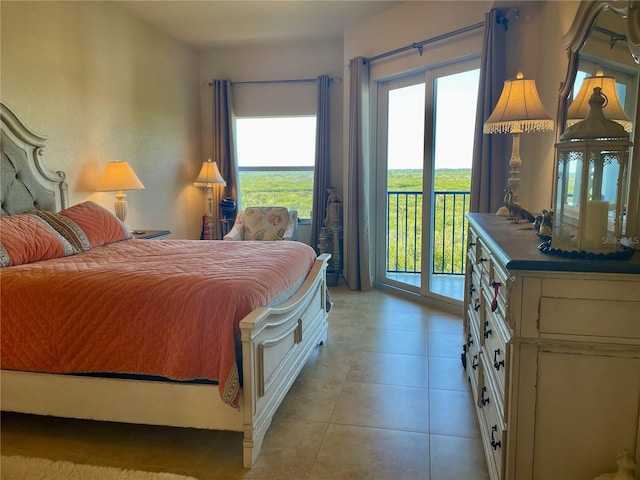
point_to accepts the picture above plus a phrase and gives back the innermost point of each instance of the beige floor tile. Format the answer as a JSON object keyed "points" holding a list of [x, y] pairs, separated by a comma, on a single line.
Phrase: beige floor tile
{"points": [[383, 406], [329, 362], [390, 369], [447, 374], [413, 321], [452, 412], [352, 453], [445, 344], [394, 341], [443, 322], [311, 399], [457, 458]]}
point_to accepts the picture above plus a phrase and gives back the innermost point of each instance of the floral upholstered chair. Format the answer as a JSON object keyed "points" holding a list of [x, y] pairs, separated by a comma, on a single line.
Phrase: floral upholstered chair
{"points": [[264, 223]]}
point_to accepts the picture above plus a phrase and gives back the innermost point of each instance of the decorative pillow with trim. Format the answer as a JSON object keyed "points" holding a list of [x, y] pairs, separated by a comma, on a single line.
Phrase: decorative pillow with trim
{"points": [[27, 238], [265, 223], [99, 225], [66, 227]]}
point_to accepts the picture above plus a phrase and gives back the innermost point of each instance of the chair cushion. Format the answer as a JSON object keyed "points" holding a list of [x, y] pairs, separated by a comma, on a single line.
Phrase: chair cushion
{"points": [[265, 223]]}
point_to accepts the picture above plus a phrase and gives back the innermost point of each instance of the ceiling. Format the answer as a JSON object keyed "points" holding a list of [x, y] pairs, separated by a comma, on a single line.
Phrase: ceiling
{"points": [[225, 23]]}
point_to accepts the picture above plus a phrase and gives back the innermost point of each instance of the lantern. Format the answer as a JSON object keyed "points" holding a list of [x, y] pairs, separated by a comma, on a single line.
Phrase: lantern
{"points": [[591, 172]]}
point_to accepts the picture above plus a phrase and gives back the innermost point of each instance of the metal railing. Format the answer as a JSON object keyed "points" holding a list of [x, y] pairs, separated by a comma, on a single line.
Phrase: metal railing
{"points": [[404, 233]]}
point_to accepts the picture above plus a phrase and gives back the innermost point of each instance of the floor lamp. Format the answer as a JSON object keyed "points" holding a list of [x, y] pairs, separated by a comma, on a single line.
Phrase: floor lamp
{"points": [[208, 177], [519, 110]]}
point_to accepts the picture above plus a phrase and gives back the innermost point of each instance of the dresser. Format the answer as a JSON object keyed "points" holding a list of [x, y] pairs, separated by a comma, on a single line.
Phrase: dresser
{"points": [[552, 354]]}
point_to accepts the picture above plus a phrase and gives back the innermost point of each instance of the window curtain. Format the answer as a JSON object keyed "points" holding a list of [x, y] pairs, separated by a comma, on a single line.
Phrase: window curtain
{"points": [[357, 226], [223, 150], [490, 164], [322, 169]]}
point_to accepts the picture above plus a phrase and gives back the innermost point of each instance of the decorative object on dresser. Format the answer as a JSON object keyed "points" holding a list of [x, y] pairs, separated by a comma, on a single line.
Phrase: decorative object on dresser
{"points": [[519, 110], [208, 177], [586, 46], [117, 177], [516, 211], [579, 107], [591, 168], [553, 347]]}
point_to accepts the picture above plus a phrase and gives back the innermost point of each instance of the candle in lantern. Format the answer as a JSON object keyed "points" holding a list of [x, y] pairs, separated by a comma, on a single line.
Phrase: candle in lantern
{"points": [[595, 225]]}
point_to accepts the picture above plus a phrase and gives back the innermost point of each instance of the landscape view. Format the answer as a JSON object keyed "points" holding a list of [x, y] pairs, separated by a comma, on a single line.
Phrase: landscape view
{"points": [[293, 190]]}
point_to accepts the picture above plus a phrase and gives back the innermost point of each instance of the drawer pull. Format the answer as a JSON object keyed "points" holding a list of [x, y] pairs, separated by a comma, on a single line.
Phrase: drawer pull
{"points": [[494, 302], [472, 244], [487, 332], [497, 364], [472, 289], [474, 362], [495, 444], [470, 341], [483, 400], [482, 260], [476, 305]]}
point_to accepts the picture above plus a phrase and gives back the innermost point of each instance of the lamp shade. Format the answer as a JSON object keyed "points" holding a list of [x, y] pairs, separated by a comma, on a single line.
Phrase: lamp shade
{"points": [[209, 175], [519, 109], [579, 108], [118, 176]]}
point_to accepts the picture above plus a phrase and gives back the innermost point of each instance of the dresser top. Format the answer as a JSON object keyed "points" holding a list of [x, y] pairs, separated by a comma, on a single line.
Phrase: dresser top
{"points": [[516, 245]]}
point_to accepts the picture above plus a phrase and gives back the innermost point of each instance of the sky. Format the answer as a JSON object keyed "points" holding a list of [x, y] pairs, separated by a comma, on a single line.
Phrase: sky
{"points": [[287, 141], [456, 98]]}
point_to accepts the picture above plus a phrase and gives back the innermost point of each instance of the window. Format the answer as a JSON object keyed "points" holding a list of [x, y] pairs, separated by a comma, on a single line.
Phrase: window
{"points": [[276, 156]]}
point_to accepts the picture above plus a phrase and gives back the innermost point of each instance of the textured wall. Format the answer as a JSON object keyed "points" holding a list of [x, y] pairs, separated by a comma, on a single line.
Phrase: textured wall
{"points": [[103, 86]]}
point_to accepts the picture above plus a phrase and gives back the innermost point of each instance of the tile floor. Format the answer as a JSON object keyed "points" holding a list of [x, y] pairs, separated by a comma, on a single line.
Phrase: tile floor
{"points": [[385, 398]]}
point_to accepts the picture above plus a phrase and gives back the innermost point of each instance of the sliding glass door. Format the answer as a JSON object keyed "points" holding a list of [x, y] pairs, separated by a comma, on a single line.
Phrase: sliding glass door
{"points": [[425, 126]]}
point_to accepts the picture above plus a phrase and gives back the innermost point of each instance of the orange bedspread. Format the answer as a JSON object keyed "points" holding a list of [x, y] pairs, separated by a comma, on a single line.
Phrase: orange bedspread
{"points": [[170, 308]]}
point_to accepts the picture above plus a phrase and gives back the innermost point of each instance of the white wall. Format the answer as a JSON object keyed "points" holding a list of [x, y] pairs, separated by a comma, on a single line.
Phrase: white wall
{"points": [[104, 86]]}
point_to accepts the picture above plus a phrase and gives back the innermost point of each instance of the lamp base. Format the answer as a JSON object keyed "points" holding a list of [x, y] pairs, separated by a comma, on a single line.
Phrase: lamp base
{"points": [[120, 206]]}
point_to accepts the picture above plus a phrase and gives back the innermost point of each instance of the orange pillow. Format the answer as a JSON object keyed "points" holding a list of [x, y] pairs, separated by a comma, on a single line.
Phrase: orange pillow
{"points": [[27, 238], [98, 224]]}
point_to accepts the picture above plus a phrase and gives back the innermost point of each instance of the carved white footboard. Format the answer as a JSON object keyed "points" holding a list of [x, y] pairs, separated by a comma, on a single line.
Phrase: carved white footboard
{"points": [[276, 342]]}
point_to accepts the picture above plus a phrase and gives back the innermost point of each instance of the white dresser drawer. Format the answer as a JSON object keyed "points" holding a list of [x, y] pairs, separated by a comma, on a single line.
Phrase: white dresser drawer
{"points": [[492, 425]]}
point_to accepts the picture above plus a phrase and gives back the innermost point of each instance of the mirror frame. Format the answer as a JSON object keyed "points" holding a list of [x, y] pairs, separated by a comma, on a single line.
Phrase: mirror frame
{"points": [[586, 16]]}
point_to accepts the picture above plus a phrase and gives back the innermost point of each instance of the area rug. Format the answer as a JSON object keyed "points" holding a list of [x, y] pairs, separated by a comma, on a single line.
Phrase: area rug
{"points": [[27, 468]]}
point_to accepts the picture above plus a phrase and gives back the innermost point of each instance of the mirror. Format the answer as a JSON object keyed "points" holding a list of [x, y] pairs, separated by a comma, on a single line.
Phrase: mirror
{"points": [[605, 36]]}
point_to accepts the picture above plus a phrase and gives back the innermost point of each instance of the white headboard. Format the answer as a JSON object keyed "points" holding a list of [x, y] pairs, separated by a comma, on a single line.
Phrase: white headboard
{"points": [[25, 182]]}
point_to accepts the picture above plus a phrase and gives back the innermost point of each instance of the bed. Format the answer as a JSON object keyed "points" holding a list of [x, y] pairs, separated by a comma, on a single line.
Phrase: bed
{"points": [[185, 357]]}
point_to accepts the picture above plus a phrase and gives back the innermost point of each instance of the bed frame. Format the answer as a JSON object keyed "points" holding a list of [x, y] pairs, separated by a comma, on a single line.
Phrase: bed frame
{"points": [[276, 342]]}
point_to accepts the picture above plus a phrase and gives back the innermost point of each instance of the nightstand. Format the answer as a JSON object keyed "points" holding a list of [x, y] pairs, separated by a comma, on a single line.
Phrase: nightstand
{"points": [[150, 234]]}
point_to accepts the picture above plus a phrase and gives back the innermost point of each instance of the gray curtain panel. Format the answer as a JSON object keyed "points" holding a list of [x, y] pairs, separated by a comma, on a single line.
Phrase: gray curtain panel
{"points": [[322, 170], [358, 268], [490, 161], [223, 147]]}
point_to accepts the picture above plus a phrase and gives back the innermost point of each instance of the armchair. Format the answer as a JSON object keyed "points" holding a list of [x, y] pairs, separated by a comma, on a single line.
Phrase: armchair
{"points": [[264, 223]]}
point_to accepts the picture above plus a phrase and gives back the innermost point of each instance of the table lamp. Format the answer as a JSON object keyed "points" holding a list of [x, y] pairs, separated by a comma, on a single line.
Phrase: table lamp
{"points": [[519, 110], [612, 110], [208, 177], [117, 177]]}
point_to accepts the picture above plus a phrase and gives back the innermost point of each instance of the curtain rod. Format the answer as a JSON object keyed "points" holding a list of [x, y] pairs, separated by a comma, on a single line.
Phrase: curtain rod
{"points": [[272, 82], [613, 36], [421, 44]]}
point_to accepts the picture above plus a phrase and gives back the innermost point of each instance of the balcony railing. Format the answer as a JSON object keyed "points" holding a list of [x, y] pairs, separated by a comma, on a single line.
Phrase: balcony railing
{"points": [[404, 237]]}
